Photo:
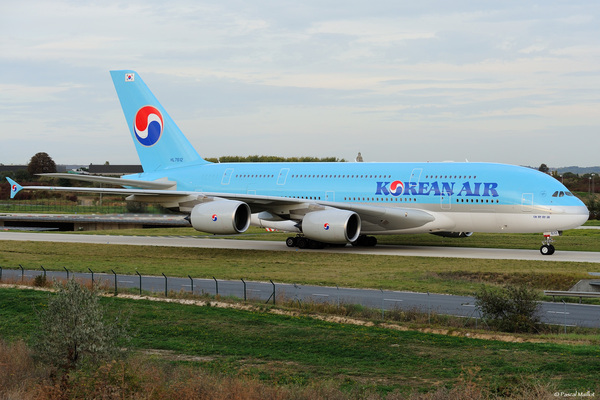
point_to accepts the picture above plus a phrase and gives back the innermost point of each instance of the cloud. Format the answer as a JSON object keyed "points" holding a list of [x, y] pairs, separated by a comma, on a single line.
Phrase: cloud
{"points": [[329, 77]]}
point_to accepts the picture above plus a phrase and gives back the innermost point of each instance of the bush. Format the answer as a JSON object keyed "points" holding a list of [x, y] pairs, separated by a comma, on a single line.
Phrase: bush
{"points": [[511, 309], [73, 329], [39, 281]]}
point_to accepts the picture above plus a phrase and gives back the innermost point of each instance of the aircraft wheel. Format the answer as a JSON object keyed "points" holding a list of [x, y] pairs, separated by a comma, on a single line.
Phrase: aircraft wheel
{"points": [[302, 243], [547, 250], [290, 242]]}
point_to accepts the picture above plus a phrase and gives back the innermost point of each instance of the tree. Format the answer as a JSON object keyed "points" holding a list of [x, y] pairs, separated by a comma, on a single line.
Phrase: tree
{"points": [[41, 163], [544, 168], [72, 329], [511, 309]]}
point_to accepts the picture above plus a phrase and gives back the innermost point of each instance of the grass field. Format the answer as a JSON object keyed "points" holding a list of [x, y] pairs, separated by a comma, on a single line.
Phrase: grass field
{"points": [[295, 350], [437, 275]]}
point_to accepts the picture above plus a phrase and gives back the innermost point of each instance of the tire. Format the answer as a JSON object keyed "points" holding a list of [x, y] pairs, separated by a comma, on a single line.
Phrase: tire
{"points": [[302, 243], [290, 242], [546, 250]]}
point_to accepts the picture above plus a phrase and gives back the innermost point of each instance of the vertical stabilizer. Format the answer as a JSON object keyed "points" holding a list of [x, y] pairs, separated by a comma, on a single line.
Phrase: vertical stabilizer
{"points": [[159, 142]]}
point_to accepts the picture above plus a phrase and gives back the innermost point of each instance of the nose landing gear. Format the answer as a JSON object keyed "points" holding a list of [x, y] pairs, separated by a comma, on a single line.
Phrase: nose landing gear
{"points": [[547, 248]]}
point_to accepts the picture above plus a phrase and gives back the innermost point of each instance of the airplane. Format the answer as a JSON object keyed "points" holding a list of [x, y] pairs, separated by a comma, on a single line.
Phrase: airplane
{"points": [[328, 203]]}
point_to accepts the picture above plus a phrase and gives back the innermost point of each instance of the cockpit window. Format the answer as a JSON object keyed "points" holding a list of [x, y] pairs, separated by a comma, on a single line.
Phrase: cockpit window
{"points": [[561, 194]]}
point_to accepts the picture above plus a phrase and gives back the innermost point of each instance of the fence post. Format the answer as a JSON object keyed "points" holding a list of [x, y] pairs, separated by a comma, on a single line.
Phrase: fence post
{"points": [[243, 281], [429, 310], [22, 272], [192, 281], [166, 294], [136, 271], [273, 291], [216, 285], [92, 277], [0, 273], [44, 269], [382, 309], [116, 292], [565, 314], [65, 268]]}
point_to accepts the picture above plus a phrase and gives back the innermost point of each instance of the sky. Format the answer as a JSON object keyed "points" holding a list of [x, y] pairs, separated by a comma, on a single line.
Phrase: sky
{"points": [[515, 82]]}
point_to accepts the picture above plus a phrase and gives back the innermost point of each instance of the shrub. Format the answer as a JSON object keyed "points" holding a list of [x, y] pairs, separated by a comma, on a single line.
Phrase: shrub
{"points": [[72, 329], [511, 309]]}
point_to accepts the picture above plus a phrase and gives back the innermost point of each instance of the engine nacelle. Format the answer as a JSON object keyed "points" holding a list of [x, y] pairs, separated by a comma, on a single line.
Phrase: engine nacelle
{"points": [[221, 216], [453, 234], [332, 226]]}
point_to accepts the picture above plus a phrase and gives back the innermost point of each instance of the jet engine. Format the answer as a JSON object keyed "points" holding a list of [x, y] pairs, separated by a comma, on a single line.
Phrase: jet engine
{"points": [[453, 234], [221, 216], [331, 226]]}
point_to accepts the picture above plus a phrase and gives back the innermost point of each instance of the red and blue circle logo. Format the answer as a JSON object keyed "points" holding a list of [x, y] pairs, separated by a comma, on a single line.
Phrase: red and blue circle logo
{"points": [[214, 217], [148, 126], [326, 226], [14, 188], [397, 188]]}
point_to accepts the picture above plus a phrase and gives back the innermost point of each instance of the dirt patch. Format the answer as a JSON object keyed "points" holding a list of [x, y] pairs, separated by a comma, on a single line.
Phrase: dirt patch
{"points": [[542, 281], [173, 356]]}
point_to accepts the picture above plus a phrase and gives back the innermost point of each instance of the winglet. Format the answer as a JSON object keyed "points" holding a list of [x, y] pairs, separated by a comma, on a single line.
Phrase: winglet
{"points": [[14, 188]]}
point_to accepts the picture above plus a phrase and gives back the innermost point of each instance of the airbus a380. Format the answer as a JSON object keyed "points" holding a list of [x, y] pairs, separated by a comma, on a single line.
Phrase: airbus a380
{"points": [[328, 203]]}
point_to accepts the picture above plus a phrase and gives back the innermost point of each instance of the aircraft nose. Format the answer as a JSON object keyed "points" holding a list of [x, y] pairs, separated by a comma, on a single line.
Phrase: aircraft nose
{"points": [[582, 213]]}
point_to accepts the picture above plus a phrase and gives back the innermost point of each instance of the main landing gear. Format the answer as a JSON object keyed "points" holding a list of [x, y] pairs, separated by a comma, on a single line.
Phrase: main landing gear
{"points": [[547, 248], [365, 241], [303, 242]]}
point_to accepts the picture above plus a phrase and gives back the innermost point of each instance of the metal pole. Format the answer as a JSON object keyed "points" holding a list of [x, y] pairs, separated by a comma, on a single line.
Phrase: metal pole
{"points": [[216, 285], [92, 276], [428, 309], [42, 267], [65, 268], [565, 311], [136, 271], [273, 291], [0, 273], [244, 282], [113, 271], [22, 272], [192, 282], [382, 312], [163, 274]]}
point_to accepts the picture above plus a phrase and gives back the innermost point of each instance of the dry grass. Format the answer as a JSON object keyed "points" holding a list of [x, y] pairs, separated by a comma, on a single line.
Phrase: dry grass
{"points": [[149, 377]]}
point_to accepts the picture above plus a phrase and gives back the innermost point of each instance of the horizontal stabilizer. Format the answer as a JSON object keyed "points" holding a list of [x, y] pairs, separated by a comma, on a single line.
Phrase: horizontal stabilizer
{"points": [[14, 188]]}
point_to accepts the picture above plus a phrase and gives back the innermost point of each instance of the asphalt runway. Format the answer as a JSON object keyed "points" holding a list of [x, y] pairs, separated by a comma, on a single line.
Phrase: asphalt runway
{"points": [[219, 243]]}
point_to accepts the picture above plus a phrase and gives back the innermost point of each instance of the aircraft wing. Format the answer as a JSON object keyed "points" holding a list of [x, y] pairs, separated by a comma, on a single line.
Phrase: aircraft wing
{"points": [[386, 218]]}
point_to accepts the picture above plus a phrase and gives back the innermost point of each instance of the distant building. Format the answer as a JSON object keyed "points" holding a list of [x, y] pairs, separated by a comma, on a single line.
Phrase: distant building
{"points": [[15, 168]]}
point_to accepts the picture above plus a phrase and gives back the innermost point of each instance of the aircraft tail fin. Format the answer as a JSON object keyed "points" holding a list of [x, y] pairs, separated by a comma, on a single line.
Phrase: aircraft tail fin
{"points": [[159, 142]]}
